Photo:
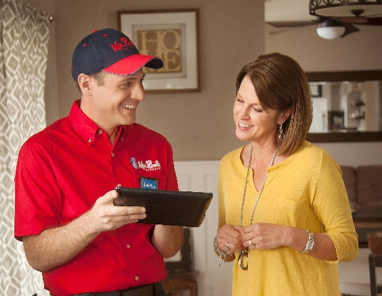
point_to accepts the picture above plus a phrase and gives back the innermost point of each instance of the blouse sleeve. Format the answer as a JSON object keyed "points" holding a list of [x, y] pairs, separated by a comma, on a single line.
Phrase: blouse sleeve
{"points": [[222, 219], [332, 207]]}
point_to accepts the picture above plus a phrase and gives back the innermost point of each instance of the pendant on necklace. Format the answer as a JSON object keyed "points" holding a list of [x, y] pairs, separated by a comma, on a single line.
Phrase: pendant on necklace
{"points": [[243, 258]]}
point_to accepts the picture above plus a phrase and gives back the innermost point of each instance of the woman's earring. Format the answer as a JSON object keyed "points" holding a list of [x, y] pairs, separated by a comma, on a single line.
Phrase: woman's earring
{"points": [[281, 132]]}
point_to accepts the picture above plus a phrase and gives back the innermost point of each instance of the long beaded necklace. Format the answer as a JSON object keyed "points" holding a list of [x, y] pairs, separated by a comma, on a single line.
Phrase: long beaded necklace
{"points": [[243, 257]]}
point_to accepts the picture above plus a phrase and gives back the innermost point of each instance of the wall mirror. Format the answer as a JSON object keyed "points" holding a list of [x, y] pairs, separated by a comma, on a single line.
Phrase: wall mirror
{"points": [[347, 106]]}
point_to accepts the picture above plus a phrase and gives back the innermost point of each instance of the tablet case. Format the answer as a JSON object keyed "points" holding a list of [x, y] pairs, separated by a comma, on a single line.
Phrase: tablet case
{"points": [[181, 208]]}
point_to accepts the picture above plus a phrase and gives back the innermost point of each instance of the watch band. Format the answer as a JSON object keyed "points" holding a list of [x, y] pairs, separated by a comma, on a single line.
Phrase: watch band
{"points": [[310, 243]]}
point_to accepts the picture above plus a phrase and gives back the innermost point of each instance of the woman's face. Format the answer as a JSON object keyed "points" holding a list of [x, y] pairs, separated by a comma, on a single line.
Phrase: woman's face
{"points": [[253, 123]]}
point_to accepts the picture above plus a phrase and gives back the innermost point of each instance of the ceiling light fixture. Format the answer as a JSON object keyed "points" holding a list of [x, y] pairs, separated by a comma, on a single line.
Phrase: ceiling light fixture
{"points": [[345, 8], [331, 29]]}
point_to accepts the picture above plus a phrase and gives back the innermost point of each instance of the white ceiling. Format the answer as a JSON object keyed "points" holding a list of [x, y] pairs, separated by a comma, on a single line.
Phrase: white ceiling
{"points": [[287, 10]]}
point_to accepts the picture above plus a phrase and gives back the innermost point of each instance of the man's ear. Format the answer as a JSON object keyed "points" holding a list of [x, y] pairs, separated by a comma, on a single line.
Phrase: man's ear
{"points": [[84, 83]]}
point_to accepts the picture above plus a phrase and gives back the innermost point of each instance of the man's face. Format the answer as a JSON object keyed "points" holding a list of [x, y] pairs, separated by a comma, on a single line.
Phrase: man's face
{"points": [[114, 102]]}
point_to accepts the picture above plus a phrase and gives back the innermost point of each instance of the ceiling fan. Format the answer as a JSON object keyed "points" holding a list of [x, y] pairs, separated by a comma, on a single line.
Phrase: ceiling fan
{"points": [[337, 18], [339, 26]]}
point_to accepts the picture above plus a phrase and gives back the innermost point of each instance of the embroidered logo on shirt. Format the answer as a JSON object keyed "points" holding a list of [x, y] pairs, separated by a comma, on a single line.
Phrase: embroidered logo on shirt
{"points": [[134, 163], [149, 165]]}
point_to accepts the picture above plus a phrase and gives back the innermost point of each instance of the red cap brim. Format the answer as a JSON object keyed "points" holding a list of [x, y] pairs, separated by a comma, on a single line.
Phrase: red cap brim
{"points": [[133, 63]]}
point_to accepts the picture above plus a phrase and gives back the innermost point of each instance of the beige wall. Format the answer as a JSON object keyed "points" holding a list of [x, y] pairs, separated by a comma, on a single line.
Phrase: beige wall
{"points": [[357, 51], [199, 125], [232, 33]]}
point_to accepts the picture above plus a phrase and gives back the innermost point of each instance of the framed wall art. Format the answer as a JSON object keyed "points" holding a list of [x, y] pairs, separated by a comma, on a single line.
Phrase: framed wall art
{"points": [[171, 35], [336, 120], [316, 90]]}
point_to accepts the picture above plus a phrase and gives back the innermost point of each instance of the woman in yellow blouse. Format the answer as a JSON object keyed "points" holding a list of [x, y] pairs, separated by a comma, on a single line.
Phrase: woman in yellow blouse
{"points": [[284, 215]]}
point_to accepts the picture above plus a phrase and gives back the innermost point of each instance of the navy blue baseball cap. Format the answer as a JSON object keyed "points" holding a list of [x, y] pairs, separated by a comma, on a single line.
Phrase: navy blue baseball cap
{"points": [[111, 51]]}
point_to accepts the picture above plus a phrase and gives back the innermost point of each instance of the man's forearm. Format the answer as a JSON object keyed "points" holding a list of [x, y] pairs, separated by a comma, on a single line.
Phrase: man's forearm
{"points": [[167, 239], [56, 246]]}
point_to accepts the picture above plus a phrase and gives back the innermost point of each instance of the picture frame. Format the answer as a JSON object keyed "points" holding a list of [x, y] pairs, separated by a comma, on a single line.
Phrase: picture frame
{"points": [[336, 120], [316, 90], [171, 35]]}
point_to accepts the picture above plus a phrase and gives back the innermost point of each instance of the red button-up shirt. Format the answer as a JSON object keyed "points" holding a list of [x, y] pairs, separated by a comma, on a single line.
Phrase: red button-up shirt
{"points": [[61, 172]]}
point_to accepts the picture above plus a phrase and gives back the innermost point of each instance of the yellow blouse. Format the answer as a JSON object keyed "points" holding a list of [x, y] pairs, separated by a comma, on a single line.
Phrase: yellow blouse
{"points": [[304, 191]]}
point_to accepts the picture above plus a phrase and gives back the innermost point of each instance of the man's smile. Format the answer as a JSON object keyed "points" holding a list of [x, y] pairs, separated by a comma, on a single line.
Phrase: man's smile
{"points": [[128, 106]]}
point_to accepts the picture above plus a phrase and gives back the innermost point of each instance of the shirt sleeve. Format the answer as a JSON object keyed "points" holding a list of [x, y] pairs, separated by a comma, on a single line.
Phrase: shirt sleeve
{"points": [[35, 187], [332, 207], [172, 181]]}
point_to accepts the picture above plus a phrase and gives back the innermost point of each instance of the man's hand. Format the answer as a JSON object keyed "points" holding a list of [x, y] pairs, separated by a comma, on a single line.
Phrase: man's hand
{"points": [[106, 216], [56, 246]]}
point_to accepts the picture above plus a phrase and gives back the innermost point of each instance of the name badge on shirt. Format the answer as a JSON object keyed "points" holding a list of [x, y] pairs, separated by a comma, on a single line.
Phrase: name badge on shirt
{"points": [[148, 183]]}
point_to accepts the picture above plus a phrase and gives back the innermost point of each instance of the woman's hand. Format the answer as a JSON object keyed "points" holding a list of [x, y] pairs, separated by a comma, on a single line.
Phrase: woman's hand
{"points": [[264, 236], [271, 236], [229, 238]]}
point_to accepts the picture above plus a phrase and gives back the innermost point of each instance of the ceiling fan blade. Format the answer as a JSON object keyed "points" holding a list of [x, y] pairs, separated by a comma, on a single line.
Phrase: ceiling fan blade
{"points": [[284, 26], [352, 20], [281, 30], [291, 24], [374, 21], [349, 28]]}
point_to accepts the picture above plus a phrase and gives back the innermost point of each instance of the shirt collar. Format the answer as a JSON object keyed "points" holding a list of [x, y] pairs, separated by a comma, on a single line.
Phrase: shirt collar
{"points": [[84, 126]]}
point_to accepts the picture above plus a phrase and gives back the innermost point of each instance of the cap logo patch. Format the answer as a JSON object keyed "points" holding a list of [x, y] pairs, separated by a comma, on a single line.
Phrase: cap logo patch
{"points": [[126, 43]]}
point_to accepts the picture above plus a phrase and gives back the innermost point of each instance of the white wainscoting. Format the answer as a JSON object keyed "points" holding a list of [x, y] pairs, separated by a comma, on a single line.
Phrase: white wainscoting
{"points": [[212, 279]]}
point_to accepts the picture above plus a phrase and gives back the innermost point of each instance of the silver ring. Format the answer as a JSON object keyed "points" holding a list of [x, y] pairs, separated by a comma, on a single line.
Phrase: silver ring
{"points": [[227, 247], [251, 245]]}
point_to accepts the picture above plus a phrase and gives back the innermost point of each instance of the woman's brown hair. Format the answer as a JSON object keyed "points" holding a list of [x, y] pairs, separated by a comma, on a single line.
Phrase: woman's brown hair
{"points": [[280, 84]]}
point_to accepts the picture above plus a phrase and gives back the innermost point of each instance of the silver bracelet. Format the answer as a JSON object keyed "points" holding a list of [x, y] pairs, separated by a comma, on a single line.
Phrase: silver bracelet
{"points": [[310, 243], [222, 255]]}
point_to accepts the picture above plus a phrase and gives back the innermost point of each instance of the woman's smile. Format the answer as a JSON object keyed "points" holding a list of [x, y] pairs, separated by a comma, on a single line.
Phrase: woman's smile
{"points": [[243, 125]]}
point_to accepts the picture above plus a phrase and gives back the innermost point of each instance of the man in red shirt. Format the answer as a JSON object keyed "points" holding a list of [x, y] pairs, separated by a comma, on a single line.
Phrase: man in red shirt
{"points": [[71, 231]]}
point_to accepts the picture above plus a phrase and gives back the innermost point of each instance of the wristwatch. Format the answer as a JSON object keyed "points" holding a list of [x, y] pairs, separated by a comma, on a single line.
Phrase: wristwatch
{"points": [[310, 243]]}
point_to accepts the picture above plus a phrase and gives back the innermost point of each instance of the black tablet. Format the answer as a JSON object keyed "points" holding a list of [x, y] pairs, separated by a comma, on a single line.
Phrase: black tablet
{"points": [[181, 208]]}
